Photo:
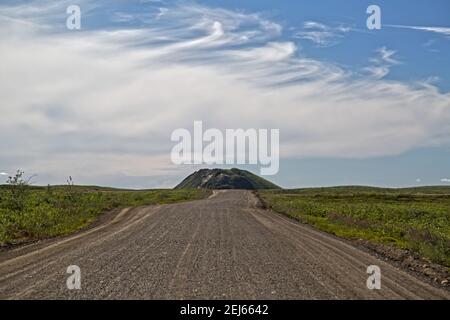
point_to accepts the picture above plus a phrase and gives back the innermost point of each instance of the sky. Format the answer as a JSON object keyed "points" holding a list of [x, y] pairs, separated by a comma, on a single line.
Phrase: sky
{"points": [[353, 105]]}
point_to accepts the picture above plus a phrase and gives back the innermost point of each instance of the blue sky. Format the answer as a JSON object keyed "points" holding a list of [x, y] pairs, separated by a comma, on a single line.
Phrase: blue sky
{"points": [[354, 106], [422, 50]]}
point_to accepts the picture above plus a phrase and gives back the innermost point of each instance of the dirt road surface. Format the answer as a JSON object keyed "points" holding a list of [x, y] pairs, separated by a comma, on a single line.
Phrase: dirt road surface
{"points": [[223, 247]]}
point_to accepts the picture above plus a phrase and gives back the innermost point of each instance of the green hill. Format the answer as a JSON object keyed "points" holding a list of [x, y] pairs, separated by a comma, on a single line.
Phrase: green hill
{"points": [[225, 179]]}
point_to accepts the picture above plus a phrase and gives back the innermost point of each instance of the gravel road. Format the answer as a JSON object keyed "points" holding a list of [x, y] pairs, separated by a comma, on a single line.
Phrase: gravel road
{"points": [[224, 247]]}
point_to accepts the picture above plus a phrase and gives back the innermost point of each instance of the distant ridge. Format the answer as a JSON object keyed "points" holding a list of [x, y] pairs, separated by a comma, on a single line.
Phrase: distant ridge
{"points": [[225, 179]]}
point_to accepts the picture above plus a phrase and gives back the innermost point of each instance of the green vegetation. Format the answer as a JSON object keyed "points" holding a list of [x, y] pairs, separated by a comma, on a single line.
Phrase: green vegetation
{"points": [[412, 218], [30, 213], [225, 179]]}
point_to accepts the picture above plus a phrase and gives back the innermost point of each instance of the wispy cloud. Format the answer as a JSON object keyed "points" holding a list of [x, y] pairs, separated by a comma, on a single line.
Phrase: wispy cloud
{"points": [[440, 30], [378, 72], [3, 174], [320, 34], [162, 11], [382, 63], [386, 55], [122, 17], [445, 180], [429, 43]]}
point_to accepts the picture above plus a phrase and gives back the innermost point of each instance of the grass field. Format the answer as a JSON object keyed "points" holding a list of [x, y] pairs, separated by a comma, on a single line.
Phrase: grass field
{"points": [[412, 218], [30, 213]]}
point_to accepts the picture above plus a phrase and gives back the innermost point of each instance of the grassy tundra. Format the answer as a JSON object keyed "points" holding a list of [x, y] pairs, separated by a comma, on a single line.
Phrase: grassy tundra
{"points": [[30, 213], [413, 218]]}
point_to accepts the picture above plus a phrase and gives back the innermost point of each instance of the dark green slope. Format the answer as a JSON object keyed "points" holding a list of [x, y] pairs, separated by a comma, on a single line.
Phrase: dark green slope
{"points": [[225, 179]]}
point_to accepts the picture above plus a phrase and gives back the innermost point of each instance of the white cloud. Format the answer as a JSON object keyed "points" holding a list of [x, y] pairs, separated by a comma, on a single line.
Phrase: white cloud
{"points": [[445, 180], [387, 55], [162, 11], [106, 101], [3, 174], [320, 34], [440, 30], [382, 63], [122, 17], [378, 71]]}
